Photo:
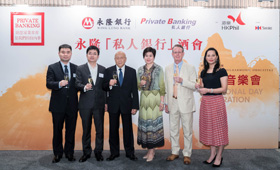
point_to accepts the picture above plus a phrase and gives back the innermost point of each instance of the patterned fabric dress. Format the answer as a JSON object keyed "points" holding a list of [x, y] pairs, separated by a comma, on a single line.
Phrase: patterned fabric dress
{"points": [[150, 122], [213, 125]]}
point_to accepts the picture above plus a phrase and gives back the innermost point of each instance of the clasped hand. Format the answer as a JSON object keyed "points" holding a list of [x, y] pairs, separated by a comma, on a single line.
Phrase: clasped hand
{"points": [[203, 91]]}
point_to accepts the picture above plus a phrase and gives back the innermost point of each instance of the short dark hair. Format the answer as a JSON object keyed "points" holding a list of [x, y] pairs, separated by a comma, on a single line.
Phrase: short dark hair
{"points": [[149, 49], [64, 46], [93, 48], [178, 45]]}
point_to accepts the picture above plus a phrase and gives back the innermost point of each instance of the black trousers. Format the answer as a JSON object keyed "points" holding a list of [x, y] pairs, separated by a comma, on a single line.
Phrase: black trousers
{"points": [[70, 119], [128, 141], [98, 116]]}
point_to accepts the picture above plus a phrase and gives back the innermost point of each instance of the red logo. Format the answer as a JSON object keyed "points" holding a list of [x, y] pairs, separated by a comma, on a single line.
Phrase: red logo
{"points": [[238, 19], [87, 23], [258, 27]]}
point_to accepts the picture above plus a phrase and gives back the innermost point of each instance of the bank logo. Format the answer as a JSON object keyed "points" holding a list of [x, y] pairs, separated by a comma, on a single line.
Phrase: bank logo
{"points": [[263, 28], [258, 27], [87, 22], [238, 19], [176, 24]]}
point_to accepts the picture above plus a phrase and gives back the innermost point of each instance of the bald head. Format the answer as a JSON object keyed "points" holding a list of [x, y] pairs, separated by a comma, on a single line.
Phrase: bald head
{"points": [[120, 59]]}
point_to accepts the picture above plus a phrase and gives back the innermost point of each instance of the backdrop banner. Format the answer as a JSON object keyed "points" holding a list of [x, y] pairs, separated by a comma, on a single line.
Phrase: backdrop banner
{"points": [[247, 41]]}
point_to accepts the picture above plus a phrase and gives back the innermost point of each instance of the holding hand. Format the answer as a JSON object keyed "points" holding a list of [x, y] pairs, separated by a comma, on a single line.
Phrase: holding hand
{"points": [[112, 82], [63, 83], [143, 82], [197, 86], [88, 86], [178, 79]]}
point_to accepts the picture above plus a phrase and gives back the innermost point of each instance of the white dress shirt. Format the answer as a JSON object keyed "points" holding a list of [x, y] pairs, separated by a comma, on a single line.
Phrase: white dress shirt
{"points": [[93, 72], [118, 71], [123, 70]]}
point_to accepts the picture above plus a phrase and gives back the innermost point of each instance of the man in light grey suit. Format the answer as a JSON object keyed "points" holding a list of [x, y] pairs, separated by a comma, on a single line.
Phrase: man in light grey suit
{"points": [[89, 80], [180, 84]]}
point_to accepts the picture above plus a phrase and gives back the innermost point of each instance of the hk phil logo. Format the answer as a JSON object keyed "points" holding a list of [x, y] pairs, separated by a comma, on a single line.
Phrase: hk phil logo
{"points": [[87, 22], [228, 25], [238, 19]]}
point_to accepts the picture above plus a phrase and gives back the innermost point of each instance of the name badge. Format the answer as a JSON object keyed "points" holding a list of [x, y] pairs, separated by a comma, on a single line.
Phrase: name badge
{"points": [[101, 75], [74, 75]]}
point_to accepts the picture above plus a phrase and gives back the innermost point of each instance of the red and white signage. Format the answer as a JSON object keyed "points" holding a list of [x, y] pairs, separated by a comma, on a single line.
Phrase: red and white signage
{"points": [[87, 22], [27, 29]]}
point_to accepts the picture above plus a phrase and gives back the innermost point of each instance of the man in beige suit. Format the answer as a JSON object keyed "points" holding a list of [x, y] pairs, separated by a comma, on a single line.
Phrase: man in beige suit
{"points": [[180, 84]]}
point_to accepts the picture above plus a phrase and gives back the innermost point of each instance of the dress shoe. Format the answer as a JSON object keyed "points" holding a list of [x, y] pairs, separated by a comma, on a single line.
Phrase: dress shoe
{"points": [[99, 156], [56, 158], [132, 157], [70, 157], [172, 157], [84, 158], [205, 162], [187, 160], [214, 165], [112, 157]]}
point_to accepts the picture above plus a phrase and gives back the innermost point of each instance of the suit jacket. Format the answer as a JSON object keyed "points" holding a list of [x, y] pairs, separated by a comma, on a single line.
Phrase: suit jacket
{"points": [[185, 90], [123, 97], [94, 98], [59, 96]]}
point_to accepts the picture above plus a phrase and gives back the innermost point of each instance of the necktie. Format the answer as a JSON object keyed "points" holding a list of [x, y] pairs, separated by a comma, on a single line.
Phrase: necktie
{"points": [[120, 77], [66, 71], [175, 84]]}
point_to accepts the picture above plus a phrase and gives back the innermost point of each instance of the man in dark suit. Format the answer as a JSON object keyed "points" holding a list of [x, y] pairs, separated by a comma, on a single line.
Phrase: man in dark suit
{"points": [[89, 81], [63, 103], [122, 100]]}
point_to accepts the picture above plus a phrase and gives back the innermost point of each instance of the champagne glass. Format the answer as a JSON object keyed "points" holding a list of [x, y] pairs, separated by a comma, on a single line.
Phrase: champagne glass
{"points": [[66, 77], [90, 81], [143, 77], [115, 76]]}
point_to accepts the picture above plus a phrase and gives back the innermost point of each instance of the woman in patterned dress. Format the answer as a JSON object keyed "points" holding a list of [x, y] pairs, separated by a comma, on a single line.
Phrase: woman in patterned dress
{"points": [[150, 79], [213, 126]]}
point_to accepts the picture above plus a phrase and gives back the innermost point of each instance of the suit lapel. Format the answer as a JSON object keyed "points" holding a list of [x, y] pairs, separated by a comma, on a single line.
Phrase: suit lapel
{"points": [[182, 70], [115, 69], [125, 75], [60, 69], [87, 72], [171, 72], [97, 76], [72, 70]]}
